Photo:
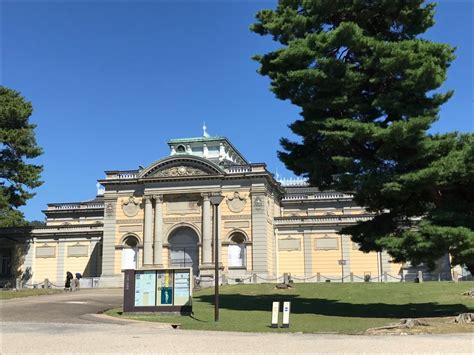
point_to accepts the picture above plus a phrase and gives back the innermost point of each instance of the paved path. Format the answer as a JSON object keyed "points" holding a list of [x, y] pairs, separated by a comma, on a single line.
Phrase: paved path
{"points": [[56, 324], [67, 307]]}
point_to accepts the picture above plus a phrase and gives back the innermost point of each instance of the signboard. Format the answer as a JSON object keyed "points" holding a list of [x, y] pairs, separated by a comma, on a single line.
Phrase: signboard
{"points": [[286, 315], [158, 290], [275, 312]]}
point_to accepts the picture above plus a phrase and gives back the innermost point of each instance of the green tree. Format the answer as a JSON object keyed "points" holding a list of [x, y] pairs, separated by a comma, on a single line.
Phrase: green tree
{"points": [[367, 87], [17, 145]]}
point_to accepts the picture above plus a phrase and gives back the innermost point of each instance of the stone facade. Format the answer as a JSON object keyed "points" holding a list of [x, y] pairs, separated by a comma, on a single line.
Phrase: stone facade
{"points": [[161, 215]]}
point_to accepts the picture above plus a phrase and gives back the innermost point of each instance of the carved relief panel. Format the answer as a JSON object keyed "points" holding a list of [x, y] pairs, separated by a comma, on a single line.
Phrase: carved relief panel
{"points": [[181, 170], [130, 207], [235, 202]]}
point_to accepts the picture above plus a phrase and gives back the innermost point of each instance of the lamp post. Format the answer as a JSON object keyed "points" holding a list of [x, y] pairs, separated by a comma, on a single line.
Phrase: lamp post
{"points": [[215, 202]]}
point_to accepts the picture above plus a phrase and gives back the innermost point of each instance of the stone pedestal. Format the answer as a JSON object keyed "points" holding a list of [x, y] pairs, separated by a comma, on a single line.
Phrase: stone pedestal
{"points": [[206, 274]]}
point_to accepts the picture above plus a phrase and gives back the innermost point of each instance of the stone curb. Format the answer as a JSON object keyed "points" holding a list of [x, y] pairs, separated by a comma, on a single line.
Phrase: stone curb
{"points": [[104, 318]]}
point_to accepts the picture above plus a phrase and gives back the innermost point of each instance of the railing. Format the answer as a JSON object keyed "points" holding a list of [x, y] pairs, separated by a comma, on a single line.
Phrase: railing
{"points": [[239, 169], [324, 219], [68, 228], [317, 196], [76, 206], [126, 174], [293, 182]]}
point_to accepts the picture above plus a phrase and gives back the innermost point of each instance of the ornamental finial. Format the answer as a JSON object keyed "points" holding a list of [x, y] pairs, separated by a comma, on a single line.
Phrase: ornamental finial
{"points": [[204, 130]]}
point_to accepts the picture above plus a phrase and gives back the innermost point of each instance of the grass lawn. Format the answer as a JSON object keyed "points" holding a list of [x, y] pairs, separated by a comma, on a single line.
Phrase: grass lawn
{"points": [[8, 294], [339, 308]]}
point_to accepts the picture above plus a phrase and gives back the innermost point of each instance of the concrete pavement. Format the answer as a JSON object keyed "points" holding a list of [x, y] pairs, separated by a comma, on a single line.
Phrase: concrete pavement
{"points": [[59, 324], [138, 338]]}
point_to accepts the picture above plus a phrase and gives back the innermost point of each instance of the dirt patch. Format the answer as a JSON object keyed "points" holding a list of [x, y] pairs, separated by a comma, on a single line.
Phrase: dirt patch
{"points": [[440, 325]]}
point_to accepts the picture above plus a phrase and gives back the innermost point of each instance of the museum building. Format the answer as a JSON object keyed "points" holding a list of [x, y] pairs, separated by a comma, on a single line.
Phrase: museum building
{"points": [[162, 216]]}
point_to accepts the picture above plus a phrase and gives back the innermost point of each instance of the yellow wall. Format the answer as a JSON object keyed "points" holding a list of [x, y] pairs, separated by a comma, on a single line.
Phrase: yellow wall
{"points": [[326, 261], [362, 263], [291, 261], [45, 268]]}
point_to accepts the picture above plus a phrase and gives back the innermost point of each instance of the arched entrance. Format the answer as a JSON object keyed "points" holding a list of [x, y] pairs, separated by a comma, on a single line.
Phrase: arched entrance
{"points": [[184, 248], [130, 253]]}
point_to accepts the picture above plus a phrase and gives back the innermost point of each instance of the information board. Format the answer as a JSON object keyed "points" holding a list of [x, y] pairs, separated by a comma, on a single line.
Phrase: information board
{"points": [[158, 290]]}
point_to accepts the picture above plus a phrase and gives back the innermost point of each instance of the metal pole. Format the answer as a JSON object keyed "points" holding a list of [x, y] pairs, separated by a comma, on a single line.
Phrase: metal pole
{"points": [[216, 266]]}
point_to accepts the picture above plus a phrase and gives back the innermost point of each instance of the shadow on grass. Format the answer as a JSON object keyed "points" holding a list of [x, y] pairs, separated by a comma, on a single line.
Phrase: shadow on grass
{"points": [[329, 307]]}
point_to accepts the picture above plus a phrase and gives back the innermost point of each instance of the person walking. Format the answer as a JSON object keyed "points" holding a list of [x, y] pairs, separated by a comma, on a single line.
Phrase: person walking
{"points": [[67, 284]]}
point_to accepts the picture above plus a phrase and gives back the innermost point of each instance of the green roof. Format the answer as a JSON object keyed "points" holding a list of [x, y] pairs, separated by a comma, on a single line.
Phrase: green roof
{"points": [[208, 139]]}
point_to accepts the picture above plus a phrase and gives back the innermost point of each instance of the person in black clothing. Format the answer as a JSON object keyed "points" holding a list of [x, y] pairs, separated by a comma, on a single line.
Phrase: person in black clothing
{"points": [[69, 277]]}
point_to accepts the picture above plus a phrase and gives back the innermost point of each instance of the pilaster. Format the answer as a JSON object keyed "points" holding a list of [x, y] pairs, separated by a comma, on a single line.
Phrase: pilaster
{"points": [[206, 230], [108, 243], [60, 272], [308, 254], [158, 241], [346, 245], [259, 233], [148, 232]]}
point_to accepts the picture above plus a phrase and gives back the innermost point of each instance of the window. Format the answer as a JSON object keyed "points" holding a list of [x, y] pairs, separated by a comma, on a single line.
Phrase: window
{"points": [[237, 251], [181, 149]]}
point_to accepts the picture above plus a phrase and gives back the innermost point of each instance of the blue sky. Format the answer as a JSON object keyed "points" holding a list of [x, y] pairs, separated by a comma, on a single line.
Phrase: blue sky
{"points": [[111, 82]]}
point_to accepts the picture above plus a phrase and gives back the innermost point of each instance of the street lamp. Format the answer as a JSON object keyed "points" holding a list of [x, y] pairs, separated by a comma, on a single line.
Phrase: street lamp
{"points": [[215, 202]]}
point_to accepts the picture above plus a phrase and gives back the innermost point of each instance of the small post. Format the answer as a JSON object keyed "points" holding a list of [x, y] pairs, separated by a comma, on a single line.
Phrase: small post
{"points": [[351, 277], [224, 279], [254, 278], [318, 277], [385, 276], [286, 278], [286, 315], [420, 276], [46, 283], [275, 312]]}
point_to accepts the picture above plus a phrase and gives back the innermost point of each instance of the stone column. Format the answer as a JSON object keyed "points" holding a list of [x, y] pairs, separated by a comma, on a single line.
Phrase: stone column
{"points": [[148, 233], [206, 230], [158, 245]]}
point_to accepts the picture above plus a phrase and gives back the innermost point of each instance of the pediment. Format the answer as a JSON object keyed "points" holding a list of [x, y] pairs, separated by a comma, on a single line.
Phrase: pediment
{"points": [[181, 167]]}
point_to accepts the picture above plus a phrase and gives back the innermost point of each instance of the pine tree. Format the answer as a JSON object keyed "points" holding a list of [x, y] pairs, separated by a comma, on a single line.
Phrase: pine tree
{"points": [[366, 83], [17, 144]]}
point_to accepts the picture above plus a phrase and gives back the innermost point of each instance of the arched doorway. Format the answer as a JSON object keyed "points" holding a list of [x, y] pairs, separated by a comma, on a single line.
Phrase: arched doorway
{"points": [[130, 253], [184, 248]]}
